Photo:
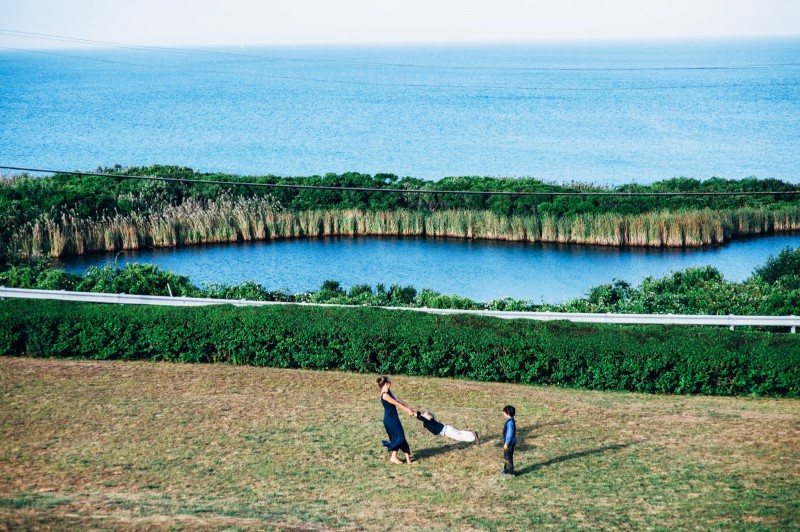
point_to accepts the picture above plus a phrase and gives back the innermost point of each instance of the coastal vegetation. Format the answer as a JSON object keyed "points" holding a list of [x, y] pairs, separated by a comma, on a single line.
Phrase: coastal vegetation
{"points": [[73, 215], [772, 289], [651, 359]]}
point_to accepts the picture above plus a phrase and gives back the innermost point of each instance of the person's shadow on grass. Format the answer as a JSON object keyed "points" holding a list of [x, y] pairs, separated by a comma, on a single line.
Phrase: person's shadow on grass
{"points": [[526, 433], [441, 449], [574, 456]]}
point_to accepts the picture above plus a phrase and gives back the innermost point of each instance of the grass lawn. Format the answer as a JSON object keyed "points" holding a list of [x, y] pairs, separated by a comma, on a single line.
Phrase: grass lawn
{"points": [[109, 445]]}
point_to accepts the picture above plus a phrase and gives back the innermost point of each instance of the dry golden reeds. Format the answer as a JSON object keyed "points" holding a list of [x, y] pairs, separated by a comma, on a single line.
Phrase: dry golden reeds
{"points": [[229, 220]]}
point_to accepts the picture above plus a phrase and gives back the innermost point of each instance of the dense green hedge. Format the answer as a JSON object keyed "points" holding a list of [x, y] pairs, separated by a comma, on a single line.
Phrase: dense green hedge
{"points": [[653, 359]]}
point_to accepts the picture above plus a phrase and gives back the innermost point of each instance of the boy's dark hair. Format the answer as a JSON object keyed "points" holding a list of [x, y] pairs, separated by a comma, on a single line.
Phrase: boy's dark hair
{"points": [[510, 410]]}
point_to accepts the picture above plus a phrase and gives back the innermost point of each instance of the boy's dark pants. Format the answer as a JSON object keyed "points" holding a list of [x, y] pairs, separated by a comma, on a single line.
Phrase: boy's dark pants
{"points": [[508, 456]]}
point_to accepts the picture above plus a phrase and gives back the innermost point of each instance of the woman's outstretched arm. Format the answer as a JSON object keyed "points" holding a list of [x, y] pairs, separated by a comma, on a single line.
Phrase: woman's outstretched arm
{"points": [[411, 410], [397, 402]]}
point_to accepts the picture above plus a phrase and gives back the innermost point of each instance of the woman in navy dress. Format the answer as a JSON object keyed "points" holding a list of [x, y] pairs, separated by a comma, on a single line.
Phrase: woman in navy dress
{"points": [[391, 421]]}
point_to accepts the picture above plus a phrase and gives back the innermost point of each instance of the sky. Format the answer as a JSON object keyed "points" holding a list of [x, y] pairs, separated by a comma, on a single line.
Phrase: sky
{"points": [[299, 22]]}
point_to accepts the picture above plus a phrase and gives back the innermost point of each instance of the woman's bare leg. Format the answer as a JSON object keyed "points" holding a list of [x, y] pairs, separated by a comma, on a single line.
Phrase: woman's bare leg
{"points": [[394, 458]]}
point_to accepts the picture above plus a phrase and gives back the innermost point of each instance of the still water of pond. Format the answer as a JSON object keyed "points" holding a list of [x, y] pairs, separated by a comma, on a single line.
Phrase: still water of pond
{"points": [[480, 270]]}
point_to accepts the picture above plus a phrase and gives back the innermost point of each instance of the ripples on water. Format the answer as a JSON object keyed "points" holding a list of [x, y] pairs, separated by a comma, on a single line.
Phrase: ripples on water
{"points": [[603, 113], [479, 270]]}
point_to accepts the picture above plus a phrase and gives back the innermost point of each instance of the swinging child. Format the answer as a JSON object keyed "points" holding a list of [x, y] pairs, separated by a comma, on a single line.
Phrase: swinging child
{"points": [[440, 429]]}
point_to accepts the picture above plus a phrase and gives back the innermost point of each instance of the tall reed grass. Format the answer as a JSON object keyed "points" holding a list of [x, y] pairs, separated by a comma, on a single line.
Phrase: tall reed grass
{"points": [[232, 220]]}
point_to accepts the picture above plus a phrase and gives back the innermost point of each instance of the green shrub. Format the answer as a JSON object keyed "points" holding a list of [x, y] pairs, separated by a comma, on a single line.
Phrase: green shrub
{"points": [[142, 279], [359, 290], [786, 264], [247, 290], [650, 359], [432, 299], [24, 274]]}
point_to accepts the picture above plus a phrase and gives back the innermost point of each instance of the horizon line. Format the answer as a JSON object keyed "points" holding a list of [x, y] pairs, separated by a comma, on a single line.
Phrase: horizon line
{"points": [[410, 43]]}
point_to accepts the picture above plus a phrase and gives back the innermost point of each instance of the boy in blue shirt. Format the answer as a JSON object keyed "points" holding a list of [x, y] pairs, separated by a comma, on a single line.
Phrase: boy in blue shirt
{"points": [[509, 440]]}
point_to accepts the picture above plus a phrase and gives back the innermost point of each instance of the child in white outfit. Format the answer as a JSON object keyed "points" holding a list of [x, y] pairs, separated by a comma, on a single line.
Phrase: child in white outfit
{"points": [[440, 429]]}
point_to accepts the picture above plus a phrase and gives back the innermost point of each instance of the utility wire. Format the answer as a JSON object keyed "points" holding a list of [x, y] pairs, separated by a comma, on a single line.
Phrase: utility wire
{"points": [[431, 85], [82, 57], [504, 87], [77, 40], [398, 190]]}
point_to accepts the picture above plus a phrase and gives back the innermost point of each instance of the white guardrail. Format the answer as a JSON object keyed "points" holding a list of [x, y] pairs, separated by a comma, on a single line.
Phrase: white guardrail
{"points": [[730, 321]]}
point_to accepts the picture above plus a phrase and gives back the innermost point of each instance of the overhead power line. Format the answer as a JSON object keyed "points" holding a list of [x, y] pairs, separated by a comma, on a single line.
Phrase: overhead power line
{"points": [[437, 86], [541, 88], [395, 190], [85, 58], [395, 84]]}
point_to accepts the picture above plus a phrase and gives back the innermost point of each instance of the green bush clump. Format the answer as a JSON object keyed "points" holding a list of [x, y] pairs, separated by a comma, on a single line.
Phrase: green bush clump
{"points": [[37, 273], [772, 290], [651, 359], [784, 269]]}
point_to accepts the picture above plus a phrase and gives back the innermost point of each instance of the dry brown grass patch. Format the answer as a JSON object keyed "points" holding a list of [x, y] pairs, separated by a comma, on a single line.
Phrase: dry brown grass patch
{"points": [[156, 446]]}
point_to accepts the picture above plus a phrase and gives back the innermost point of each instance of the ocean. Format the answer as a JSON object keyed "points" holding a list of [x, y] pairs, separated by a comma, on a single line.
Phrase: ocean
{"points": [[605, 113]]}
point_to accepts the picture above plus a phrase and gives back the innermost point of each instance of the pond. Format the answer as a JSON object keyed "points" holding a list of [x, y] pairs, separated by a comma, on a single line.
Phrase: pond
{"points": [[480, 270]]}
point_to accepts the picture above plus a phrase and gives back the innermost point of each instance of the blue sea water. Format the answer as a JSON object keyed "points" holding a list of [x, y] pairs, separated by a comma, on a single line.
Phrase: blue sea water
{"points": [[593, 112]]}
